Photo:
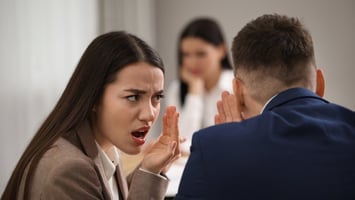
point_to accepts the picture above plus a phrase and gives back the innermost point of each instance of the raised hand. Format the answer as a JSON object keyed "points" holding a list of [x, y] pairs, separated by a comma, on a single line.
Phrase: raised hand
{"points": [[228, 109], [165, 149]]}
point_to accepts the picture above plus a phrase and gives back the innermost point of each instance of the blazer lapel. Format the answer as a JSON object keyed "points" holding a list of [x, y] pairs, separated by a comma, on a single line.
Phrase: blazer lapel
{"points": [[87, 140], [122, 182], [106, 189]]}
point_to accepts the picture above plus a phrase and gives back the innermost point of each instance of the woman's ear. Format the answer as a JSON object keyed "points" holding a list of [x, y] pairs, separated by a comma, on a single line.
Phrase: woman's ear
{"points": [[320, 87]]}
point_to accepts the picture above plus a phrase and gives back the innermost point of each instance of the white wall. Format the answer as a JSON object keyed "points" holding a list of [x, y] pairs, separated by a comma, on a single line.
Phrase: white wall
{"points": [[41, 42], [331, 23], [133, 16]]}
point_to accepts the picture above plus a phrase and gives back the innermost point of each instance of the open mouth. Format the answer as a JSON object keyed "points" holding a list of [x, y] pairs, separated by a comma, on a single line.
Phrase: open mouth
{"points": [[139, 135]]}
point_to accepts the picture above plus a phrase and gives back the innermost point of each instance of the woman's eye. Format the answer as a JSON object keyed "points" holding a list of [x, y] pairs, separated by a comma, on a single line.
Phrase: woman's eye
{"points": [[132, 98], [159, 97]]}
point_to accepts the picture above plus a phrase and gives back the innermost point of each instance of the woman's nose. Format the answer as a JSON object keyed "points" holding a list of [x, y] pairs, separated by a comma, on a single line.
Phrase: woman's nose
{"points": [[147, 113], [190, 61]]}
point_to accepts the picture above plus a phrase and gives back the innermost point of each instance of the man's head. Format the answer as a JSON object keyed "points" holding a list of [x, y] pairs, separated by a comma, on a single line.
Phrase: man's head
{"points": [[273, 53]]}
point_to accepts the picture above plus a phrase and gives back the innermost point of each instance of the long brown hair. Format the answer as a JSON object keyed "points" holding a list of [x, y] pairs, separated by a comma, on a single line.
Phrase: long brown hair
{"points": [[103, 58]]}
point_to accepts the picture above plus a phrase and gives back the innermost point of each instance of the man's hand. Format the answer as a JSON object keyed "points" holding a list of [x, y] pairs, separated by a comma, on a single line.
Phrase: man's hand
{"points": [[228, 109]]}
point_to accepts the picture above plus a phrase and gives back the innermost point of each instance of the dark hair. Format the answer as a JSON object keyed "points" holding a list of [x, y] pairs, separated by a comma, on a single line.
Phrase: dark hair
{"points": [[276, 45], [98, 66], [208, 30]]}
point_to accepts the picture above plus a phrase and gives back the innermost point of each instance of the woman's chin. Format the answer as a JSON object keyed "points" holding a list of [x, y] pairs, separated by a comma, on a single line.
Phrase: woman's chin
{"points": [[132, 151]]}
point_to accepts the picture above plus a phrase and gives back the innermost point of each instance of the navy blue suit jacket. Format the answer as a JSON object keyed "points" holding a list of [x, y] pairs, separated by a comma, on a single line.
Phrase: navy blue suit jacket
{"points": [[300, 147]]}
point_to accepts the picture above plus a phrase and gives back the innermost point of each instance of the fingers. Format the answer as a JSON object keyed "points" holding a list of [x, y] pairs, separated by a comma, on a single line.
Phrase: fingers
{"points": [[172, 152], [172, 146], [170, 121], [221, 114], [172, 157], [226, 106], [228, 109], [170, 126], [234, 113], [175, 151], [165, 124], [163, 139], [217, 119]]}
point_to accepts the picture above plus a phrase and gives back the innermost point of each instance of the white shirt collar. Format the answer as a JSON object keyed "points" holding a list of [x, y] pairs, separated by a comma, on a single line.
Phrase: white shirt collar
{"points": [[268, 101], [109, 160]]}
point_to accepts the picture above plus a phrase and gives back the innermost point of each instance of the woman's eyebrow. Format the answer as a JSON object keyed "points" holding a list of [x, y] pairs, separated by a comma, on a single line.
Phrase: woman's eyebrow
{"points": [[160, 92], [136, 91]]}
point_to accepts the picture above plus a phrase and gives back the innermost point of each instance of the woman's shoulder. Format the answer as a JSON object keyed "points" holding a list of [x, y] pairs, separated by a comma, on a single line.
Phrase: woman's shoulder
{"points": [[61, 159], [64, 159], [62, 168], [64, 153]]}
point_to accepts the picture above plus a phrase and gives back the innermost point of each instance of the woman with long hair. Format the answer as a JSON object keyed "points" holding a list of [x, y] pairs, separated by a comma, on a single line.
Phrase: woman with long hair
{"points": [[204, 72], [109, 105]]}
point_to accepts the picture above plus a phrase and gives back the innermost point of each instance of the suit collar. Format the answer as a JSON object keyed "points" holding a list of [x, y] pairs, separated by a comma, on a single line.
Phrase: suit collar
{"points": [[291, 95], [87, 140], [122, 182]]}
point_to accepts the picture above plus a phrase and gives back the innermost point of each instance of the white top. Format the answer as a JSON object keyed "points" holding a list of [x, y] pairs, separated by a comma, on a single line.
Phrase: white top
{"points": [[109, 162], [199, 110]]}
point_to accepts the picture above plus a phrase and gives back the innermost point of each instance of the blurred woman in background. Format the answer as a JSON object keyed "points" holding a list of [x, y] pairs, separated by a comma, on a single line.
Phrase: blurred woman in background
{"points": [[204, 72]]}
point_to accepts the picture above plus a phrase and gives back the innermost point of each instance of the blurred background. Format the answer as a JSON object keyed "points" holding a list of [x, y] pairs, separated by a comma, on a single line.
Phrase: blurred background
{"points": [[41, 42]]}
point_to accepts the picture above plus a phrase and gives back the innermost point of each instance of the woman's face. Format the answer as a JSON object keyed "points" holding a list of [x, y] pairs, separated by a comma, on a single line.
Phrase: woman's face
{"points": [[201, 58], [129, 107]]}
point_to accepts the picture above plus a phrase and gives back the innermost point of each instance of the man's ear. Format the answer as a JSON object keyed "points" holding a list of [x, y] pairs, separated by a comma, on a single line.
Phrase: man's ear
{"points": [[238, 91], [320, 87]]}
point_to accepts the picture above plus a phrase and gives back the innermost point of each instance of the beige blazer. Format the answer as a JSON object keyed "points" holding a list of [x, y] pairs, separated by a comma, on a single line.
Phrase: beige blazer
{"points": [[72, 169]]}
